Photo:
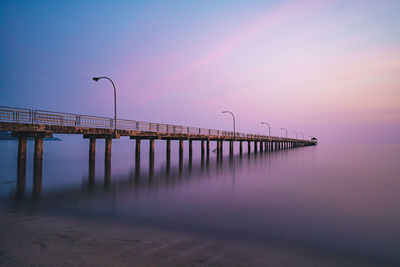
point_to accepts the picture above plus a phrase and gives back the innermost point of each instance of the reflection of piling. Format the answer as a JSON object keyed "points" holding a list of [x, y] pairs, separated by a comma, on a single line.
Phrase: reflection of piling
{"points": [[91, 173], [107, 173]]}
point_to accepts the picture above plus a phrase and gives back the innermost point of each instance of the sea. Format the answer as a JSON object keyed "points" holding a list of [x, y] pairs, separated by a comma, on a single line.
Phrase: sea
{"points": [[343, 197]]}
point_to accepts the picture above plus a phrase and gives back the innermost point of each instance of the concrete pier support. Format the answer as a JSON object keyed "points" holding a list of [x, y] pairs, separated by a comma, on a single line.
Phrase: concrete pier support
{"points": [[137, 158], [208, 149], [37, 167], [248, 147], [21, 152], [168, 150], [151, 151], [255, 147], [202, 148], [107, 162], [92, 149], [231, 148], [190, 154], [92, 160], [180, 149], [261, 146], [240, 147], [107, 153], [21, 167], [38, 153], [137, 149], [190, 149]]}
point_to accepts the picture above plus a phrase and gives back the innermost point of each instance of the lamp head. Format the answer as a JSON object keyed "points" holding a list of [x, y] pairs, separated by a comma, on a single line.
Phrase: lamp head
{"points": [[96, 79], [224, 111]]}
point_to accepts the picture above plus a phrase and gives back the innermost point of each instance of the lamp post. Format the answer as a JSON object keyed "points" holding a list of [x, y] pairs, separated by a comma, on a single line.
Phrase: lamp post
{"points": [[302, 135], [269, 127], [115, 99], [285, 131], [234, 126], [295, 133]]}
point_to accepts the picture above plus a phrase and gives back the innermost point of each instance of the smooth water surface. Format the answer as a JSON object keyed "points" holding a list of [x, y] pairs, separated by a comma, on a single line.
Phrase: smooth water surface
{"points": [[343, 197]]}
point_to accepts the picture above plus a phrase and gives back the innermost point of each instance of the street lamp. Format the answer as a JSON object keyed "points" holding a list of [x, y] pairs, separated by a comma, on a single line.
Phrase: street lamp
{"points": [[115, 99], [285, 131], [295, 133], [234, 126], [302, 135], [269, 127]]}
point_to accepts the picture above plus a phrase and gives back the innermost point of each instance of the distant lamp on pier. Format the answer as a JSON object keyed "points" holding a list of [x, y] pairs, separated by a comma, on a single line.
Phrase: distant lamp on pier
{"points": [[285, 131], [295, 133], [96, 79], [302, 135], [269, 127], [234, 126]]}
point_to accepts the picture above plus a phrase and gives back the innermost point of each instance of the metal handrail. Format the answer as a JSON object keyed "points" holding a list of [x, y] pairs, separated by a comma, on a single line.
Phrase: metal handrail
{"points": [[21, 115]]}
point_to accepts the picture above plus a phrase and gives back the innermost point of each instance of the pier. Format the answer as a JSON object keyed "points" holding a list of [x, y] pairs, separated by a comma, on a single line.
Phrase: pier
{"points": [[40, 124]]}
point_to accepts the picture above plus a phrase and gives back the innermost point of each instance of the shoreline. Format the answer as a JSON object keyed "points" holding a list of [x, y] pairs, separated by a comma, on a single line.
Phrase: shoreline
{"points": [[38, 239]]}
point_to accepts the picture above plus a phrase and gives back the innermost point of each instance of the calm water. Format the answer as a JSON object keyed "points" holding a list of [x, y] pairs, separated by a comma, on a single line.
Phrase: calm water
{"points": [[345, 197]]}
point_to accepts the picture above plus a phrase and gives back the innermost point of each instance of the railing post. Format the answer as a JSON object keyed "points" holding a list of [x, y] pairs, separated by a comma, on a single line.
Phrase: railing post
{"points": [[77, 120]]}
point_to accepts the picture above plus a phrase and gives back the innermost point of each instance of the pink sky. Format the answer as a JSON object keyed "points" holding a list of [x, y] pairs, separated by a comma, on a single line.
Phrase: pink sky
{"points": [[324, 68]]}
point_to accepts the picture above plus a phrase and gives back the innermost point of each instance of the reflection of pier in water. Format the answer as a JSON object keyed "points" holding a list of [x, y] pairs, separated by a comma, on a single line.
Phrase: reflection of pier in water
{"points": [[148, 178]]}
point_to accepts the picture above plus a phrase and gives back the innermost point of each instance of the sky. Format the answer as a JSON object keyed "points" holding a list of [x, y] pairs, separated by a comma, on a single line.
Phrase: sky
{"points": [[329, 69]]}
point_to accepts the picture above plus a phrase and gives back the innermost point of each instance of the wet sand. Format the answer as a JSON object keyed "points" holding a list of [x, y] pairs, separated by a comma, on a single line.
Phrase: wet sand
{"points": [[58, 240]]}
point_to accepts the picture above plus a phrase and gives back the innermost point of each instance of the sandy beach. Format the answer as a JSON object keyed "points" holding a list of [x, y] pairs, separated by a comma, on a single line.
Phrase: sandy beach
{"points": [[28, 239]]}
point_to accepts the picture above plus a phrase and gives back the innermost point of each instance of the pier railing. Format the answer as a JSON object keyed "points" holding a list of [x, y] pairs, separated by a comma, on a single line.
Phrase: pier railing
{"points": [[20, 115]]}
